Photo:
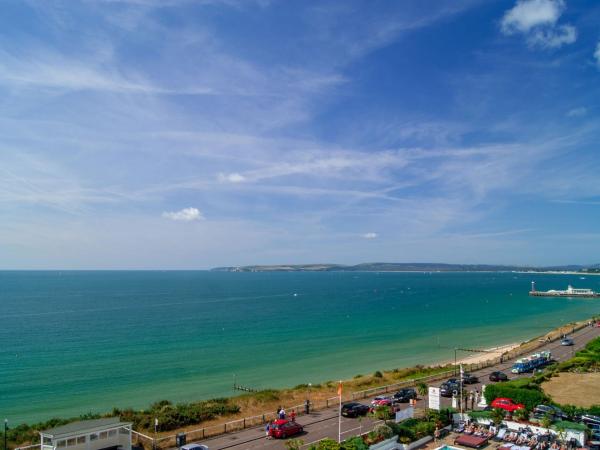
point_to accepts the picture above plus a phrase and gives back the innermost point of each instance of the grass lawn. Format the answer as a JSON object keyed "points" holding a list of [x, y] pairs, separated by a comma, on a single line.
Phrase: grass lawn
{"points": [[579, 389]]}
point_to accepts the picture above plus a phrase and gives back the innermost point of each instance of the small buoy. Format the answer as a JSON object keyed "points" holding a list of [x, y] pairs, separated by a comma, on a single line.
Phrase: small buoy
{"points": [[295, 294]]}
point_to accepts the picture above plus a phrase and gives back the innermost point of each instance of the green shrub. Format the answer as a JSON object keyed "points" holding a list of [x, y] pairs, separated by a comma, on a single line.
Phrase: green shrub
{"points": [[267, 395], [383, 413], [354, 443], [480, 415], [423, 429], [325, 444], [378, 374], [564, 424], [294, 444], [383, 431], [497, 415]]}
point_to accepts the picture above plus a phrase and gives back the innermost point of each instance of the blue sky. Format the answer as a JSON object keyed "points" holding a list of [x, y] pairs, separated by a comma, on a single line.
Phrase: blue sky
{"points": [[191, 134]]}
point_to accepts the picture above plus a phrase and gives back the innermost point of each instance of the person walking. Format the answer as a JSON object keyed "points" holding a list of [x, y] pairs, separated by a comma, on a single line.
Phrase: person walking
{"points": [[282, 414], [268, 430], [293, 415]]}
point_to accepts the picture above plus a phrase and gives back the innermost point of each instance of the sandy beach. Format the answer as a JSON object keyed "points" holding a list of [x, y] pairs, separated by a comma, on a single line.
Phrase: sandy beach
{"points": [[488, 353]]}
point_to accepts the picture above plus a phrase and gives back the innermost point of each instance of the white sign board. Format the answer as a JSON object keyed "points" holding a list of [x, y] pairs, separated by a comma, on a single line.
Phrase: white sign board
{"points": [[405, 414], [434, 398], [482, 403]]}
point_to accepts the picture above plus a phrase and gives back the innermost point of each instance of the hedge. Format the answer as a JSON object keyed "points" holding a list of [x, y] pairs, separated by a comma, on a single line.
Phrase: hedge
{"points": [[529, 397], [480, 414]]}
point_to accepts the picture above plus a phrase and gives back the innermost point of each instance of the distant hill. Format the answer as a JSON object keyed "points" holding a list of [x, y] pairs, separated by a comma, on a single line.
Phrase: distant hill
{"points": [[402, 267]]}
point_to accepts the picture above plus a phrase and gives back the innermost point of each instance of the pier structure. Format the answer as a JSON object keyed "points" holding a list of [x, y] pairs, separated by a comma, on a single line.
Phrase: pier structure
{"points": [[569, 292]]}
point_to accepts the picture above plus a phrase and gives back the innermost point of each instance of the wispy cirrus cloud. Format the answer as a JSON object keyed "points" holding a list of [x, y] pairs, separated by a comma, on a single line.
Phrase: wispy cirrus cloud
{"points": [[48, 70], [577, 112]]}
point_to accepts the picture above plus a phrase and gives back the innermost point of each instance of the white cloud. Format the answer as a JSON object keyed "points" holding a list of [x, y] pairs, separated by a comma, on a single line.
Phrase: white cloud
{"points": [[537, 20], [184, 215], [527, 14], [553, 37], [577, 112], [370, 235], [231, 177], [597, 54]]}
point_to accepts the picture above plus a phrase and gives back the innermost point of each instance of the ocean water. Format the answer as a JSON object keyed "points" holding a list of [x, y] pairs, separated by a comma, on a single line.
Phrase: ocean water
{"points": [[75, 342]]}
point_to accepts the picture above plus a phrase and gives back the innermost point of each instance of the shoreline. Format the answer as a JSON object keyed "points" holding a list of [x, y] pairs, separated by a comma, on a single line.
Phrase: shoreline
{"points": [[486, 354], [254, 405]]}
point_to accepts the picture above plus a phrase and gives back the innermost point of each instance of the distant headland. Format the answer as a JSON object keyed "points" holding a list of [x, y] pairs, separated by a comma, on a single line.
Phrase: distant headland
{"points": [[409, 267]]}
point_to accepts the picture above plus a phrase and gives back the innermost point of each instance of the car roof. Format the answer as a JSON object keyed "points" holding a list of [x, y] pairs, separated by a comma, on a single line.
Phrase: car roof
{"points": [[280, 421], [194, 446]]}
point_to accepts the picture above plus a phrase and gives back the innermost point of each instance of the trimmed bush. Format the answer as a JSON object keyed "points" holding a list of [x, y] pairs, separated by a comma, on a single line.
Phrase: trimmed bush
{"points": [[480, 415], [529, 397]]}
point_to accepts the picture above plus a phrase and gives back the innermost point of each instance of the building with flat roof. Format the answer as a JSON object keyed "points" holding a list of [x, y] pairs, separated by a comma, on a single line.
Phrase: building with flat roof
{"points": [[97, 434]]}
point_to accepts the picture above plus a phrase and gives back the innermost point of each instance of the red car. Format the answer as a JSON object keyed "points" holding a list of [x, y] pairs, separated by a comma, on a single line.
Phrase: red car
{"points": [[282, 428], [380, 400], [507, 404]]}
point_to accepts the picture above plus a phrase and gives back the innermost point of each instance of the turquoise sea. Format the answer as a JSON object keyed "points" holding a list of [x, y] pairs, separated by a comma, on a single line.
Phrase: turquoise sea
{"points": [[74, 342]]}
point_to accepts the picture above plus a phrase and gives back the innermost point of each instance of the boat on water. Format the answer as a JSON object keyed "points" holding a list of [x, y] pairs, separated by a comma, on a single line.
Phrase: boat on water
{"points": [[569, 292]]}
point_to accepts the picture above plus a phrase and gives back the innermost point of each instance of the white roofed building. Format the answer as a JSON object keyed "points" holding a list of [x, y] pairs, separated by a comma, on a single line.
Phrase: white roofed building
{"points": [[97, 434]]}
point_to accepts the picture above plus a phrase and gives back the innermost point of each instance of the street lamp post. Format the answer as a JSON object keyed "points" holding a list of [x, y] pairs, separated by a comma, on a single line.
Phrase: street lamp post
{"points": [[455, 361]]}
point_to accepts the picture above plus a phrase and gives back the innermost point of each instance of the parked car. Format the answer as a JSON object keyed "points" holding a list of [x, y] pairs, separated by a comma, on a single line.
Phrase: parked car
{"points": [[507, 404], [282, 428], [566, 341], [354, 409], [194, 447], [498, 376], [449, 388], [404, 395], [470, 379], [381, 400], [590, 419], [553, 412]]}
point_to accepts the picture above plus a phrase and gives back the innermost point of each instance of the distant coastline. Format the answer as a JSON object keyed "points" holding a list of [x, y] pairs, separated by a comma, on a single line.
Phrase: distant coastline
{"points": [[413, 267]]}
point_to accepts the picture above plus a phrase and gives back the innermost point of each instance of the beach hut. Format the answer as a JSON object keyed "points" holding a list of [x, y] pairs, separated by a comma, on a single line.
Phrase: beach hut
{"points": [[98, 434]]}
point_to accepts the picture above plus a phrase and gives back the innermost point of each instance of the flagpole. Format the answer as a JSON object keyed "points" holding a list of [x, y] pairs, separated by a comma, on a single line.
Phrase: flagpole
{"points": [[340, 413], [461, 391]]}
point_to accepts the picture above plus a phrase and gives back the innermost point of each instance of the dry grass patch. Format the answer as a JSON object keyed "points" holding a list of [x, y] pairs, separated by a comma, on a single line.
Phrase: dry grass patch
{"points": [[579, 389]]}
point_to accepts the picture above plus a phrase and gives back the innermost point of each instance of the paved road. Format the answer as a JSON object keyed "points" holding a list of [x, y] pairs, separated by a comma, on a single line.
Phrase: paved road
{"points": [[324, 423]]}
